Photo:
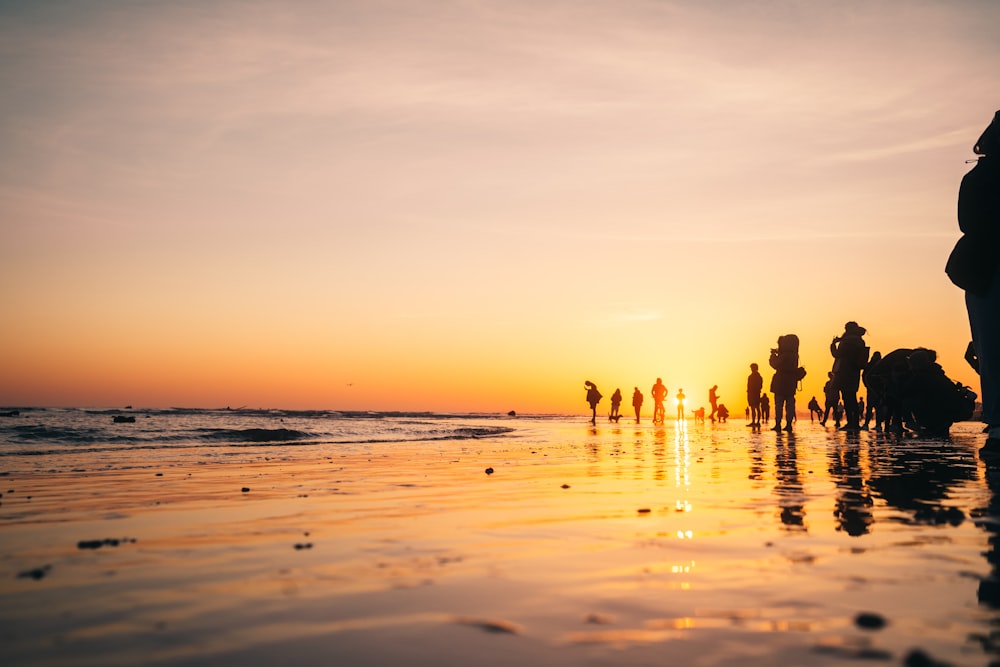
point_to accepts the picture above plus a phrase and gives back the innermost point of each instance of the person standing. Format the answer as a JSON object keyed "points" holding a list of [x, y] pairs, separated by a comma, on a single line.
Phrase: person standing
{"points": [[713, 400], [973, 266], [850, 356], [755, 384], [593, 398], [814, 410], [659, 393], [787, 373], [765, 408], [616, 401], [830, 398], [637, 403], [680, 404]]}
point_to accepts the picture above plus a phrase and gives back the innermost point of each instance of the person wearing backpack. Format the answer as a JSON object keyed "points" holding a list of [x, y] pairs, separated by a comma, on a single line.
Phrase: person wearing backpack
{"points": [[974, 265], [787, 373], [850, 356]]}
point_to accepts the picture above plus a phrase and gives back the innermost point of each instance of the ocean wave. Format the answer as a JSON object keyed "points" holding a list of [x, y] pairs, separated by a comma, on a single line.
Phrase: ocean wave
{"points": [[256, 435]]}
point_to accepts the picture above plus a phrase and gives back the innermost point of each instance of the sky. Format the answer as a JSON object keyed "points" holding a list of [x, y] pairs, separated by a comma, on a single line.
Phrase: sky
{"points": [[475, 205]]}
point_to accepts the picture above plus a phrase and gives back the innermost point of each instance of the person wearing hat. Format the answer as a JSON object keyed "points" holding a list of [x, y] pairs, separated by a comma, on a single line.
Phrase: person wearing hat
{"points": [[850, 354], [973, 266]]}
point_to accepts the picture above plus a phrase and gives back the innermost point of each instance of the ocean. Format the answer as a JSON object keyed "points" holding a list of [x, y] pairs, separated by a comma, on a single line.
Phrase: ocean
{"points": [[51, 433]]}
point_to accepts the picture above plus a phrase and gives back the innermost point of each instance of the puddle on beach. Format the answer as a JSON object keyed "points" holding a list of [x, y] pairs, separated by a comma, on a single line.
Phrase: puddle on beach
{"points": [[607, 545]]}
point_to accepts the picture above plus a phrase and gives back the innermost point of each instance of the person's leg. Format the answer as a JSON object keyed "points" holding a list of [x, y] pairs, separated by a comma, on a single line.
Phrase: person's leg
{"points": [[984, 320]]}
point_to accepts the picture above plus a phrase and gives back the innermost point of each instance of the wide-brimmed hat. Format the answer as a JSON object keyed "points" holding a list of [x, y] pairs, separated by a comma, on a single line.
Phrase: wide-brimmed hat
{"points": [[853, 327]]}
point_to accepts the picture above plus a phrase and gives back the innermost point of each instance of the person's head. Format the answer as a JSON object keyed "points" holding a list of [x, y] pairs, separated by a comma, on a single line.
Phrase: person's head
{"points": [[853, 329], [753, 367], [989, 141], [659, 381]]}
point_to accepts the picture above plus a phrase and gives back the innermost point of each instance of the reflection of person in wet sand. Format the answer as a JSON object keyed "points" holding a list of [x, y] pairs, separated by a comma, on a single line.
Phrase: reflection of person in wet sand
{"points": [[616, 401], [659, 393], [593, 398], [637, 403], [680, 404]]}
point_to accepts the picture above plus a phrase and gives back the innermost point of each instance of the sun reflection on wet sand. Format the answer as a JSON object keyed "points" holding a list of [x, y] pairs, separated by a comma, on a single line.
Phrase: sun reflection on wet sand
{"points": [[584, 544]]}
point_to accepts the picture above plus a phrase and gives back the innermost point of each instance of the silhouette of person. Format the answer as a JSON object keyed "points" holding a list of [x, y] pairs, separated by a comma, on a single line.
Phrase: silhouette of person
{"points": [[830, 397], [765, 409], [713, 399], [680, 404], [616, 401], [973, 266], [593, 398], [784, 360], [814, 409], [850, 356], [637, 403], [755, 384], [659, 393], [722, 413]]}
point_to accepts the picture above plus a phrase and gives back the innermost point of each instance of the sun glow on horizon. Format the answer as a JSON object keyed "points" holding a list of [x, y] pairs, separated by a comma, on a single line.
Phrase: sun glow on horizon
{"points": [[315, 205]]}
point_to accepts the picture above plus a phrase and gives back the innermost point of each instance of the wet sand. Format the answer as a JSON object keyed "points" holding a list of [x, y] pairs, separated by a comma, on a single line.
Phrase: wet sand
{"points": [[614, 545]]}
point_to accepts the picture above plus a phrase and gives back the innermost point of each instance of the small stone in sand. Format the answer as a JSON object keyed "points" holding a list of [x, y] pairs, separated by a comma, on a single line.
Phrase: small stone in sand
{"points": [[245, 489], [564, 486], [918, 658], [306, 545], [870, 621], [36, 573], [159, 474], [498, 626], [644, 510], [598, 619], [489, 471], [106, 542]]}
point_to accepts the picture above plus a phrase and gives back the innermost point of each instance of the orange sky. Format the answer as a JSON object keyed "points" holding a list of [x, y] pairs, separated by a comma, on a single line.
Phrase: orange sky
{"points": [[474, 206]]}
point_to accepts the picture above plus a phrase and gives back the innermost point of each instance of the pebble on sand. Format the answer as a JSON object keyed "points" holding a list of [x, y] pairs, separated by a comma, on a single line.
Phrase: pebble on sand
{"points": [[870, 621], [489, 471], [106, 542], [498, 626], [245, 489], [36, 573]]}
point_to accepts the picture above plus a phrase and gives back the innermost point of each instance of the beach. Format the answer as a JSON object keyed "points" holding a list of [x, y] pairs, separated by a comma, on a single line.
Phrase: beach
{"points": [[497, 541]]}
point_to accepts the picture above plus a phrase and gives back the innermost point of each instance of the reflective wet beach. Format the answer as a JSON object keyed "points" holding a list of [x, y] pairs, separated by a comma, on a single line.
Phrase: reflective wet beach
{"points": [[606, 545]]}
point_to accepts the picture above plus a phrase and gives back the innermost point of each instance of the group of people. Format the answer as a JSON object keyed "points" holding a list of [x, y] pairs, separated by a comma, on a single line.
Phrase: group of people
{"points": [[659, 393], [906, 384]]}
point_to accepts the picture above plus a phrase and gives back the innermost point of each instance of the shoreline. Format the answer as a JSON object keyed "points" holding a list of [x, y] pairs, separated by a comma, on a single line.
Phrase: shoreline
{"points": [[604, 545]]}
